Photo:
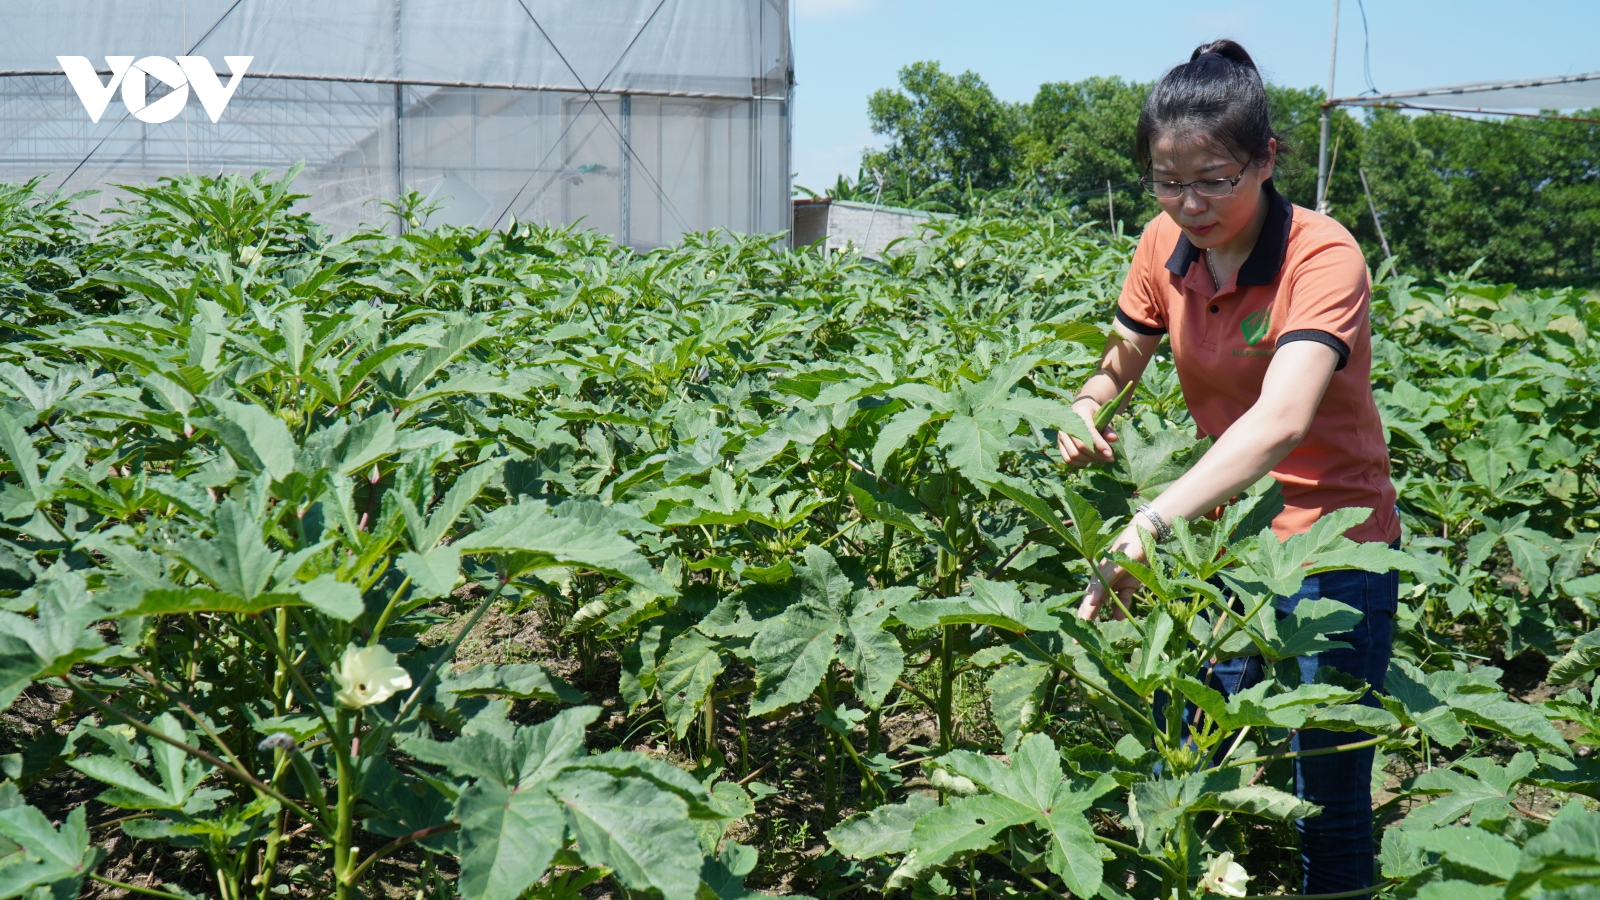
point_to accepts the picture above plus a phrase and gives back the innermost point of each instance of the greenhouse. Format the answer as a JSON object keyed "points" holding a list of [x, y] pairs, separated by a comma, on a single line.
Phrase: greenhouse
{"points": [[644, 119]]}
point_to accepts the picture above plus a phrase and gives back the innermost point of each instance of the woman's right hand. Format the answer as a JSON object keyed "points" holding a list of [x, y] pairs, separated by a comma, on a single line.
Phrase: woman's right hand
{"points": [[1073, 452]]}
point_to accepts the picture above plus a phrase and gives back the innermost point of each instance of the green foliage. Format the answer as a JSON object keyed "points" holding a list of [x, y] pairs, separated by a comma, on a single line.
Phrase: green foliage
{"points": [[254, 503], [1518, 194], [948, 134]]}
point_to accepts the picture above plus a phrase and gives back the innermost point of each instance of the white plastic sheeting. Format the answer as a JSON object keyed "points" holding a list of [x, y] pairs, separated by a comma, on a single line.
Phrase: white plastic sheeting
{"points": [[1561, 92], [642, 118]]}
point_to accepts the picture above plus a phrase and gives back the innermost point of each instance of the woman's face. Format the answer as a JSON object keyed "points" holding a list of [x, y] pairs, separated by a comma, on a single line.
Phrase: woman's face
{"points": [[1208, 221]]}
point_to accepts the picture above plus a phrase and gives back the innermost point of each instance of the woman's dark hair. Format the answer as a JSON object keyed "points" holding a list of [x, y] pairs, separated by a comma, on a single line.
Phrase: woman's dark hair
{"points": [[1216, 96]]}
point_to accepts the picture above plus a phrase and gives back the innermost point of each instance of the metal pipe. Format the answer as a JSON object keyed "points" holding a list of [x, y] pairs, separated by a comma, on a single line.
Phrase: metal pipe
{"points": [[625, 227], [1327, 118], [1377, 222], [511, 86], [1460, 111], [1486, 87]]}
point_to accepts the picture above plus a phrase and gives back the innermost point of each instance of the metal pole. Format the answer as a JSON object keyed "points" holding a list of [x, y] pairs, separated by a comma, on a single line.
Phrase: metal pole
{"points": [[1377, 222], [399, 116], [625, 228], [1327, 117]]}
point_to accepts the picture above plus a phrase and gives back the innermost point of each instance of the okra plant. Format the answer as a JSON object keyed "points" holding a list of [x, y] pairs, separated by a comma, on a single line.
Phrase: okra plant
{"points": [[793, 534]]}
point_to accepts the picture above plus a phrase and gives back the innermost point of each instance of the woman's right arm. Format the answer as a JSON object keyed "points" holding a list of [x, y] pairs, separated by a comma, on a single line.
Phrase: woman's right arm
{"points": [[1126, 354]]}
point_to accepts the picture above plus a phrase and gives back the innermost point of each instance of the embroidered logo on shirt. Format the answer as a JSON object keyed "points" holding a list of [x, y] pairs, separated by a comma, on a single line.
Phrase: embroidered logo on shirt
{"points": [[1255, 326]]}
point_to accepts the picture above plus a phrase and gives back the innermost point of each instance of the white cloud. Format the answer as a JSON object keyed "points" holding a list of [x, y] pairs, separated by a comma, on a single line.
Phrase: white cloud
{"points": [[823, 9]]}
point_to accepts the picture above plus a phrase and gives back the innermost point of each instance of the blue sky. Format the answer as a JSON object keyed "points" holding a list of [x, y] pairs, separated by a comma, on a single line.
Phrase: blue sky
{"points": [[846, 49]]}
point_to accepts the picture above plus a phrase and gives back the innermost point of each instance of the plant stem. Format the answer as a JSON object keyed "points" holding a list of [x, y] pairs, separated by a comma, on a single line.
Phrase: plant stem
{"points": [[269, 859], [1319, 752], [885, 550], [830, 757], [378, 739], [344, 872], [928, 701], [123, 885], [708, 724], [282, 653], [388, 611], [280, 680], [1043, 887], [1342, 895], [399, 842], [946, 689], [79, 689]]}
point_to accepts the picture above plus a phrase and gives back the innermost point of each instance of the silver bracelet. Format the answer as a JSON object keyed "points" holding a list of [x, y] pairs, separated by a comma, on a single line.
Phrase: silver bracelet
{"points": [[1163, 530]]}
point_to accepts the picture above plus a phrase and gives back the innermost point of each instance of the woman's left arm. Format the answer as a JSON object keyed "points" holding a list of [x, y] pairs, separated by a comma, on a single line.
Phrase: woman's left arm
{"points": [[1259, 440]]}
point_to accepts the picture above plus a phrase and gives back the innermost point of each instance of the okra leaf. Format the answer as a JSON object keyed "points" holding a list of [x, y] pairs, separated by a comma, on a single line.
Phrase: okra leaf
{"points": [[256, 438], [1410, 698], [1016, 700], [1580, 659], [1305, 630], [534, 538], [895, 432], [523, 681], [792, 652], [1257, 800], [634, 828], [508, 837], [1482, 851], [963, 825], [994, 603], [46, 857], [686, 676], [873, 654], [882, 831], [18, 450], [1566, 854], [973, 445], [434, 573]]}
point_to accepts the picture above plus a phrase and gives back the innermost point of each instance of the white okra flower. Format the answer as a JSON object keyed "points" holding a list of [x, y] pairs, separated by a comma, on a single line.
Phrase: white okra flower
{"points": [[368, 675], [1225, 877]]}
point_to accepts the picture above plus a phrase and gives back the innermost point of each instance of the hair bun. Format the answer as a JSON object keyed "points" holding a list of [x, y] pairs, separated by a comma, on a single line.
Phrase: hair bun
{"points": [[1229, 50], [1218, 96]]}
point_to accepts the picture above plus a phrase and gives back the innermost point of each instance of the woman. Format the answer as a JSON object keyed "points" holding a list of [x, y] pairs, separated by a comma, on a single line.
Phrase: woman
{"points": [[1266, 305]]}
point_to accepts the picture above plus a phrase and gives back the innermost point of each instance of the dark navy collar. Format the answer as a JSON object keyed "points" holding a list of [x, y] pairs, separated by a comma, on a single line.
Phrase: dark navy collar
{"points": [[1266, 258]]}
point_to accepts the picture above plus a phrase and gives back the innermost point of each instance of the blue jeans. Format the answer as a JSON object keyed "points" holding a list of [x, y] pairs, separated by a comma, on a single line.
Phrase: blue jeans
{"points": [[1336, 848]]}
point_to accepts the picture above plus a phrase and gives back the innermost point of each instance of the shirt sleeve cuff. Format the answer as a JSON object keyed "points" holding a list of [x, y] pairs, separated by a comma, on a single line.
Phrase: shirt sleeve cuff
{"points": [[1138, 327], [1321, 337]]}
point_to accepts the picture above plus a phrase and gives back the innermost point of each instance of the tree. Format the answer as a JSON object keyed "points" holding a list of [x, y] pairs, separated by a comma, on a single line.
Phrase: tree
{"points": [[1523, 195], [947, 134], [1078, 138]]}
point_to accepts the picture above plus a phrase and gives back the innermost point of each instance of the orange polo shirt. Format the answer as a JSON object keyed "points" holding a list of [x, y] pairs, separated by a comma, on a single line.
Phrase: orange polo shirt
{"points": [[1306, 280]]}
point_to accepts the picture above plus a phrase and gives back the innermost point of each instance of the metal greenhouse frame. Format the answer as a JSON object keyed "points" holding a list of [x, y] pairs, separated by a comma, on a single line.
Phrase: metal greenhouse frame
{"points": [[644, 119]]}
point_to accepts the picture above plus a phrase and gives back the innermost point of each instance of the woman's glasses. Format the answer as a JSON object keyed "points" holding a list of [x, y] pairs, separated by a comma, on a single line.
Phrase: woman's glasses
{"points": [[1206, 187]]}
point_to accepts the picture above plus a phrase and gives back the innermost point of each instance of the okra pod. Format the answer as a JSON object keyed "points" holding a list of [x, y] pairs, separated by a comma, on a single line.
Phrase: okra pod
{"points": [[1102, 416]]}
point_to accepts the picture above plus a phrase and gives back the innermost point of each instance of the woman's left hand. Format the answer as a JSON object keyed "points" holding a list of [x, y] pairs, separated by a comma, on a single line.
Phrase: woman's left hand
{"points": [[1112, 578]]}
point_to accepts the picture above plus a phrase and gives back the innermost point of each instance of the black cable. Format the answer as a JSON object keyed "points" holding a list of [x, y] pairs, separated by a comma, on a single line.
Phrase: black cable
{"points": [[1527, 129], [128, 113], [1366, 48], [627, 145], [590, 99]]}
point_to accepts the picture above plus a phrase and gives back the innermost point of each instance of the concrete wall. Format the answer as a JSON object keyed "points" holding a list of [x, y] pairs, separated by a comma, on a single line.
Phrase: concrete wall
{"points": [[868, 228]]}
